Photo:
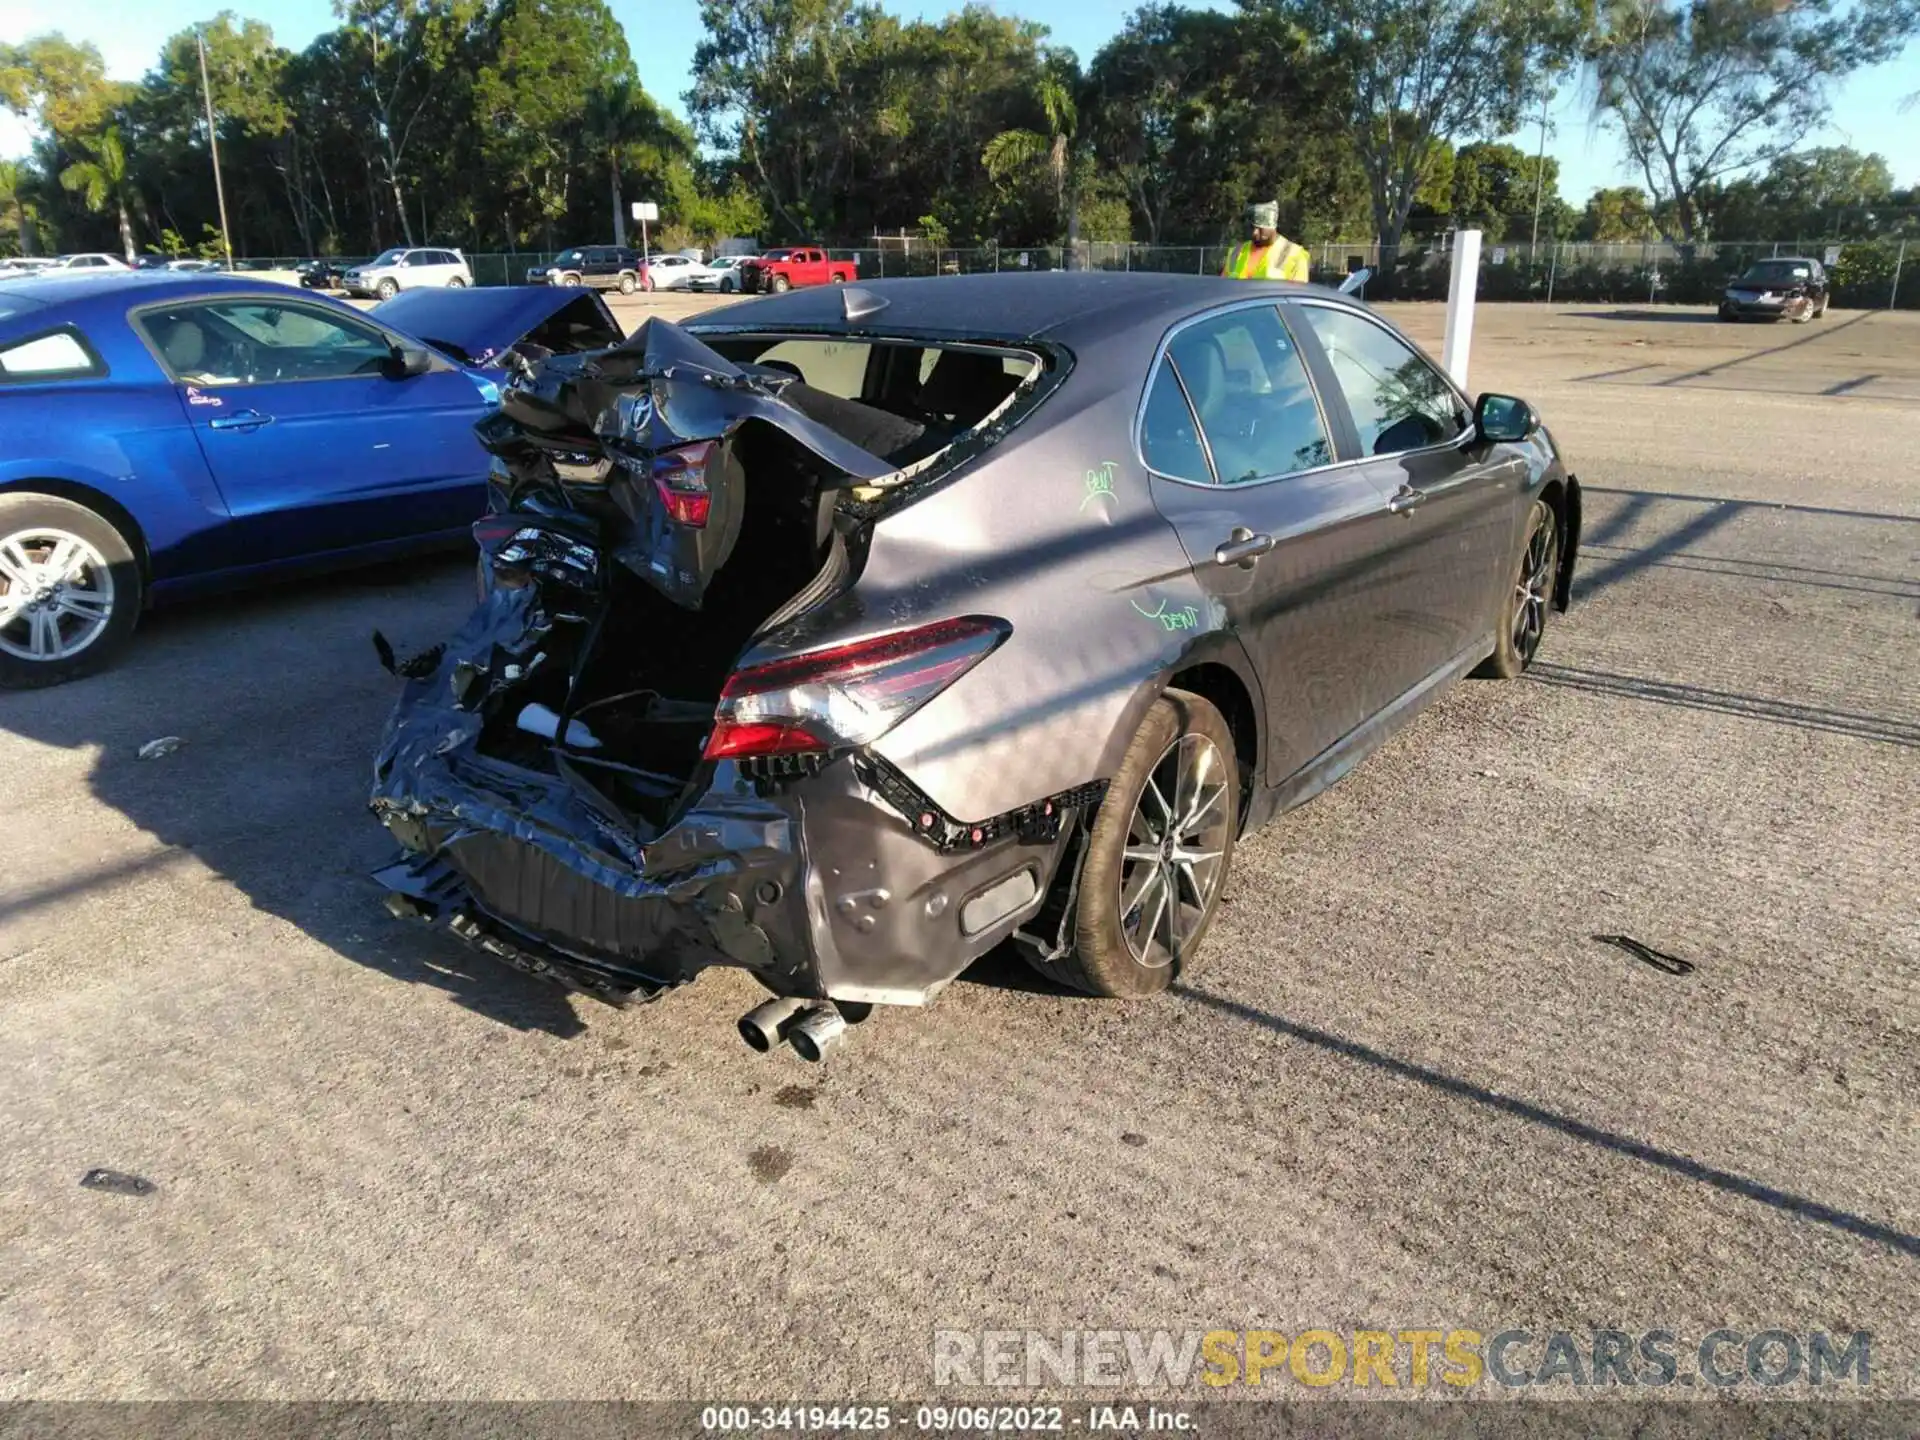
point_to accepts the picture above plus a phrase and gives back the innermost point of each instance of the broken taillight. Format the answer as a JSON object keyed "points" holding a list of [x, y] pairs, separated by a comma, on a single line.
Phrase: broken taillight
{"points": [[680, 477], [846, 695]]}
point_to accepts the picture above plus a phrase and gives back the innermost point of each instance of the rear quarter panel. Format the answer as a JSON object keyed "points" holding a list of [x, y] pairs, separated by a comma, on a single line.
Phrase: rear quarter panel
{"points": [[1055, 531]]}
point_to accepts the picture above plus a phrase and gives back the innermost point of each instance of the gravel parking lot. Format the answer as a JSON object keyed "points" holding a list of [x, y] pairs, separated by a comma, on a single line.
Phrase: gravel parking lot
{"points": [[1409, 1089]]}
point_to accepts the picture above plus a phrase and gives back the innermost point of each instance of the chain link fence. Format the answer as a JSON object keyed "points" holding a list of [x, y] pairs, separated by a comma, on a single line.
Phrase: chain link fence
{"points": [[1864, 274]]}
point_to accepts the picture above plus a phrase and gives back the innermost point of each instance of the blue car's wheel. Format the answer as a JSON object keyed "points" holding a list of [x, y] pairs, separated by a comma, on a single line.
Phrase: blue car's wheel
{"points": [[69, 591]]}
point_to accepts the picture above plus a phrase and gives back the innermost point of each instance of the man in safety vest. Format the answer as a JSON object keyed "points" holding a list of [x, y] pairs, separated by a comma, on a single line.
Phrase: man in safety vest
{"points": [[1269, 255]]}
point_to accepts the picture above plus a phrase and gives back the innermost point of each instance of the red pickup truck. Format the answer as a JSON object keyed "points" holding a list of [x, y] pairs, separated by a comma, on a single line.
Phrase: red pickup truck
{"points": [[787, 269]]}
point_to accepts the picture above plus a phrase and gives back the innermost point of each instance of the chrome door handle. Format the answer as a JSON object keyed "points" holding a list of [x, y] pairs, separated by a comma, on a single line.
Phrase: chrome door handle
{"points": [[1405, 499], [239, 420], [1242, 548]]}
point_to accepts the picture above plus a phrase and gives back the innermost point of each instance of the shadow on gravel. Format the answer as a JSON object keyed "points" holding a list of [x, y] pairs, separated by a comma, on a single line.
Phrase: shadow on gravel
{"points": [[280, 701], [1666, 317], [1883, 728], [1676, 548], [1738, 1185]]}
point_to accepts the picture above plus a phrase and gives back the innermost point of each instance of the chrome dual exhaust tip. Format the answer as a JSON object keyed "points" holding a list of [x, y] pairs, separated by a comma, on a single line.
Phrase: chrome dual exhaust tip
{"points": [[809, 1026], [818, 1031], [766, 1025]]}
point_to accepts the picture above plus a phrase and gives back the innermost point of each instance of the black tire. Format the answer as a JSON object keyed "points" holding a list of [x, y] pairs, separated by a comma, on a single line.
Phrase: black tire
{"points": [[781, 284], [1104, 960], [839, 280], [572, 281], [627, 283], [727, 287], [386, 290], [1533, 573], [22, 517], [456, 283]]}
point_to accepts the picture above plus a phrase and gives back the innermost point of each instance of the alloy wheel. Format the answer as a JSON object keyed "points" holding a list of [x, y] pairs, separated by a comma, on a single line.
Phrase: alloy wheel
{"points": [[56, 595], [1176, 846], [1531, 591]]}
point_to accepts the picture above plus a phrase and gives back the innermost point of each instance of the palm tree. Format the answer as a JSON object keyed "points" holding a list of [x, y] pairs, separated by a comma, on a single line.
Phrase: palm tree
{"points": [[104, 180], [13, 201], [1013, 152], [618, 114]]}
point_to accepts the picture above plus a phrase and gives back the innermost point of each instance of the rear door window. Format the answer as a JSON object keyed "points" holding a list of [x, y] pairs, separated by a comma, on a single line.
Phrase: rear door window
{"points": [[1169, 435], [1249, 390]]}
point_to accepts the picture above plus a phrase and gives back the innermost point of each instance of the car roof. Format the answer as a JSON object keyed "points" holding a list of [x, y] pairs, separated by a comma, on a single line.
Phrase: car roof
{"points": [[137, 285], [1068, 306]]}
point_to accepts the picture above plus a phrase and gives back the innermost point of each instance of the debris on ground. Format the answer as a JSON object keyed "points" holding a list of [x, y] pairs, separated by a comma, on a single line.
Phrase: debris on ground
{"points": [[161, 748], [116, 1183], [1658, 959]]}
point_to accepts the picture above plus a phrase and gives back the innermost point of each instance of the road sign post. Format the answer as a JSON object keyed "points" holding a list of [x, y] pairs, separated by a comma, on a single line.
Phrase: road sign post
{"points": [[1461, 289], [644, 211]]}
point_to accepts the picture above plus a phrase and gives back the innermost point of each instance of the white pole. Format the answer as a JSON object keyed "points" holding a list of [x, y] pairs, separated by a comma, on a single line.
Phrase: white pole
{"points": [[1460, 292]]}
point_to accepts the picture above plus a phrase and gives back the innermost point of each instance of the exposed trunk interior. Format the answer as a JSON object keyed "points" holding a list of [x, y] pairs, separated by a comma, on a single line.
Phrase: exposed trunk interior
{"points": [[636, 674], [643, 673]]}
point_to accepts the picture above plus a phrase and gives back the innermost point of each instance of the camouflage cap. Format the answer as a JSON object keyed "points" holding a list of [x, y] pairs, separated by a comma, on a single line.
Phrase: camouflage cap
{"points": [[1266, 215]]}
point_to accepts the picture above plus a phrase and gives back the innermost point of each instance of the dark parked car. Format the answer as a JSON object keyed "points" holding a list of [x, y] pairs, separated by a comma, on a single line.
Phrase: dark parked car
{"points": [[1792, 287], [324, 274], [847, 634], [163, 435], [605, 267]]}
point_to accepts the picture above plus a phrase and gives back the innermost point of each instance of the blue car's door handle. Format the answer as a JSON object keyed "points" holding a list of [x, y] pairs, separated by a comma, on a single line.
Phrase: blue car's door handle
{"points": [[240, 420]]}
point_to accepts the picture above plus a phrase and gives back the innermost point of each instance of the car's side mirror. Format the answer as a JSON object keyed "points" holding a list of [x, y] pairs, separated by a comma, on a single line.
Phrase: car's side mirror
{"points": [[1503, 418], [407, 361]]}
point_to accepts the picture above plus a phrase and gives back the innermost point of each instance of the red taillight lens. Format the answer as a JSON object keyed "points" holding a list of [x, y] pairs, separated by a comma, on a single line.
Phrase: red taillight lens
{"points": [[680, 476], [846, 695], [492, 531]]}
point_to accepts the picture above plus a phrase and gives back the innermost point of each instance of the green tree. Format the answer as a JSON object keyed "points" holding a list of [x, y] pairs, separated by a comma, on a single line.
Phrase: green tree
{"points": [[1413, 72], [14, 205], [104, 182], [56, 85], [1702, 90], [1014, 158], [628, 130], [1616, 215], [1496, 188], [1826, 193], [530, 98]]}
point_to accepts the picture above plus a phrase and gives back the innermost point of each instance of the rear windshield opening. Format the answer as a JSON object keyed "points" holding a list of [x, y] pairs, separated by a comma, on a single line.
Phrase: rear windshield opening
{"points": [[905, 401]]}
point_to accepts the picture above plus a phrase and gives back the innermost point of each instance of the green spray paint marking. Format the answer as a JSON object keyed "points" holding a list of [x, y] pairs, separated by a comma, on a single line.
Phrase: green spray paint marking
{"points": [[1099, 483]]}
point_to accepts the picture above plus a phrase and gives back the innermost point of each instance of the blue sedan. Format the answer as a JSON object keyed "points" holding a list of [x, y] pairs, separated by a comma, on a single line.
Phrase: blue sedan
{"points": [[165, 435]]}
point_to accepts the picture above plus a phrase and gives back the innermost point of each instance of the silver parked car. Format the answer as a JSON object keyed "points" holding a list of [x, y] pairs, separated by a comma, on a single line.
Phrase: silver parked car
{"points": [[847, 634]]}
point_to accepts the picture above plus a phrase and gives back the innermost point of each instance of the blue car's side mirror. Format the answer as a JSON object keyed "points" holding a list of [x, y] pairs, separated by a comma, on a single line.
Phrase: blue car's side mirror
{"points": [[407, 361]]}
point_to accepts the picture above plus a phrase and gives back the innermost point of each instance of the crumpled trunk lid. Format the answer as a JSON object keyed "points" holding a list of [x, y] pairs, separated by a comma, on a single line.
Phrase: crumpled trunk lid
{"points": [[647, 428]]}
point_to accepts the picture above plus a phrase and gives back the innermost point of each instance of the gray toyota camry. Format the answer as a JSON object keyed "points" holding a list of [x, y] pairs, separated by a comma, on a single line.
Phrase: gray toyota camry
{"points": [[847, 634]]}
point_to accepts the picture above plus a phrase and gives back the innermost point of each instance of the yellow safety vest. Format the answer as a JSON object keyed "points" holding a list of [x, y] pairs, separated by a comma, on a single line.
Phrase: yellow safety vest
{"points": [[1284, 260]]}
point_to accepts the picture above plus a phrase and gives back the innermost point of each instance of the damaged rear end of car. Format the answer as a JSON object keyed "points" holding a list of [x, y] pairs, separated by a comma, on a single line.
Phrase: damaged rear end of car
{"points": [[645, 754]]}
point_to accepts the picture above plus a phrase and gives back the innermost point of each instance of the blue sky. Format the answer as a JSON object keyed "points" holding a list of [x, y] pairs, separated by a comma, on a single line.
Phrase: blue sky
{"points": [[663, 33]]}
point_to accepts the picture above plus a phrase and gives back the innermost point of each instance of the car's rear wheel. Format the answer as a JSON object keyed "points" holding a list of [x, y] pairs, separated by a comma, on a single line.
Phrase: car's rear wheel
{"points": [[456, 283], [386, 289], [627, 285], [1158, 855], [1529, 598], [69, 591]]}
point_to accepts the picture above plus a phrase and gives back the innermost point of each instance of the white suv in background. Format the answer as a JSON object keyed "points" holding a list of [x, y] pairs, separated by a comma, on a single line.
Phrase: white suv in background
{"points": [[392, 271], [96, 260]]}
